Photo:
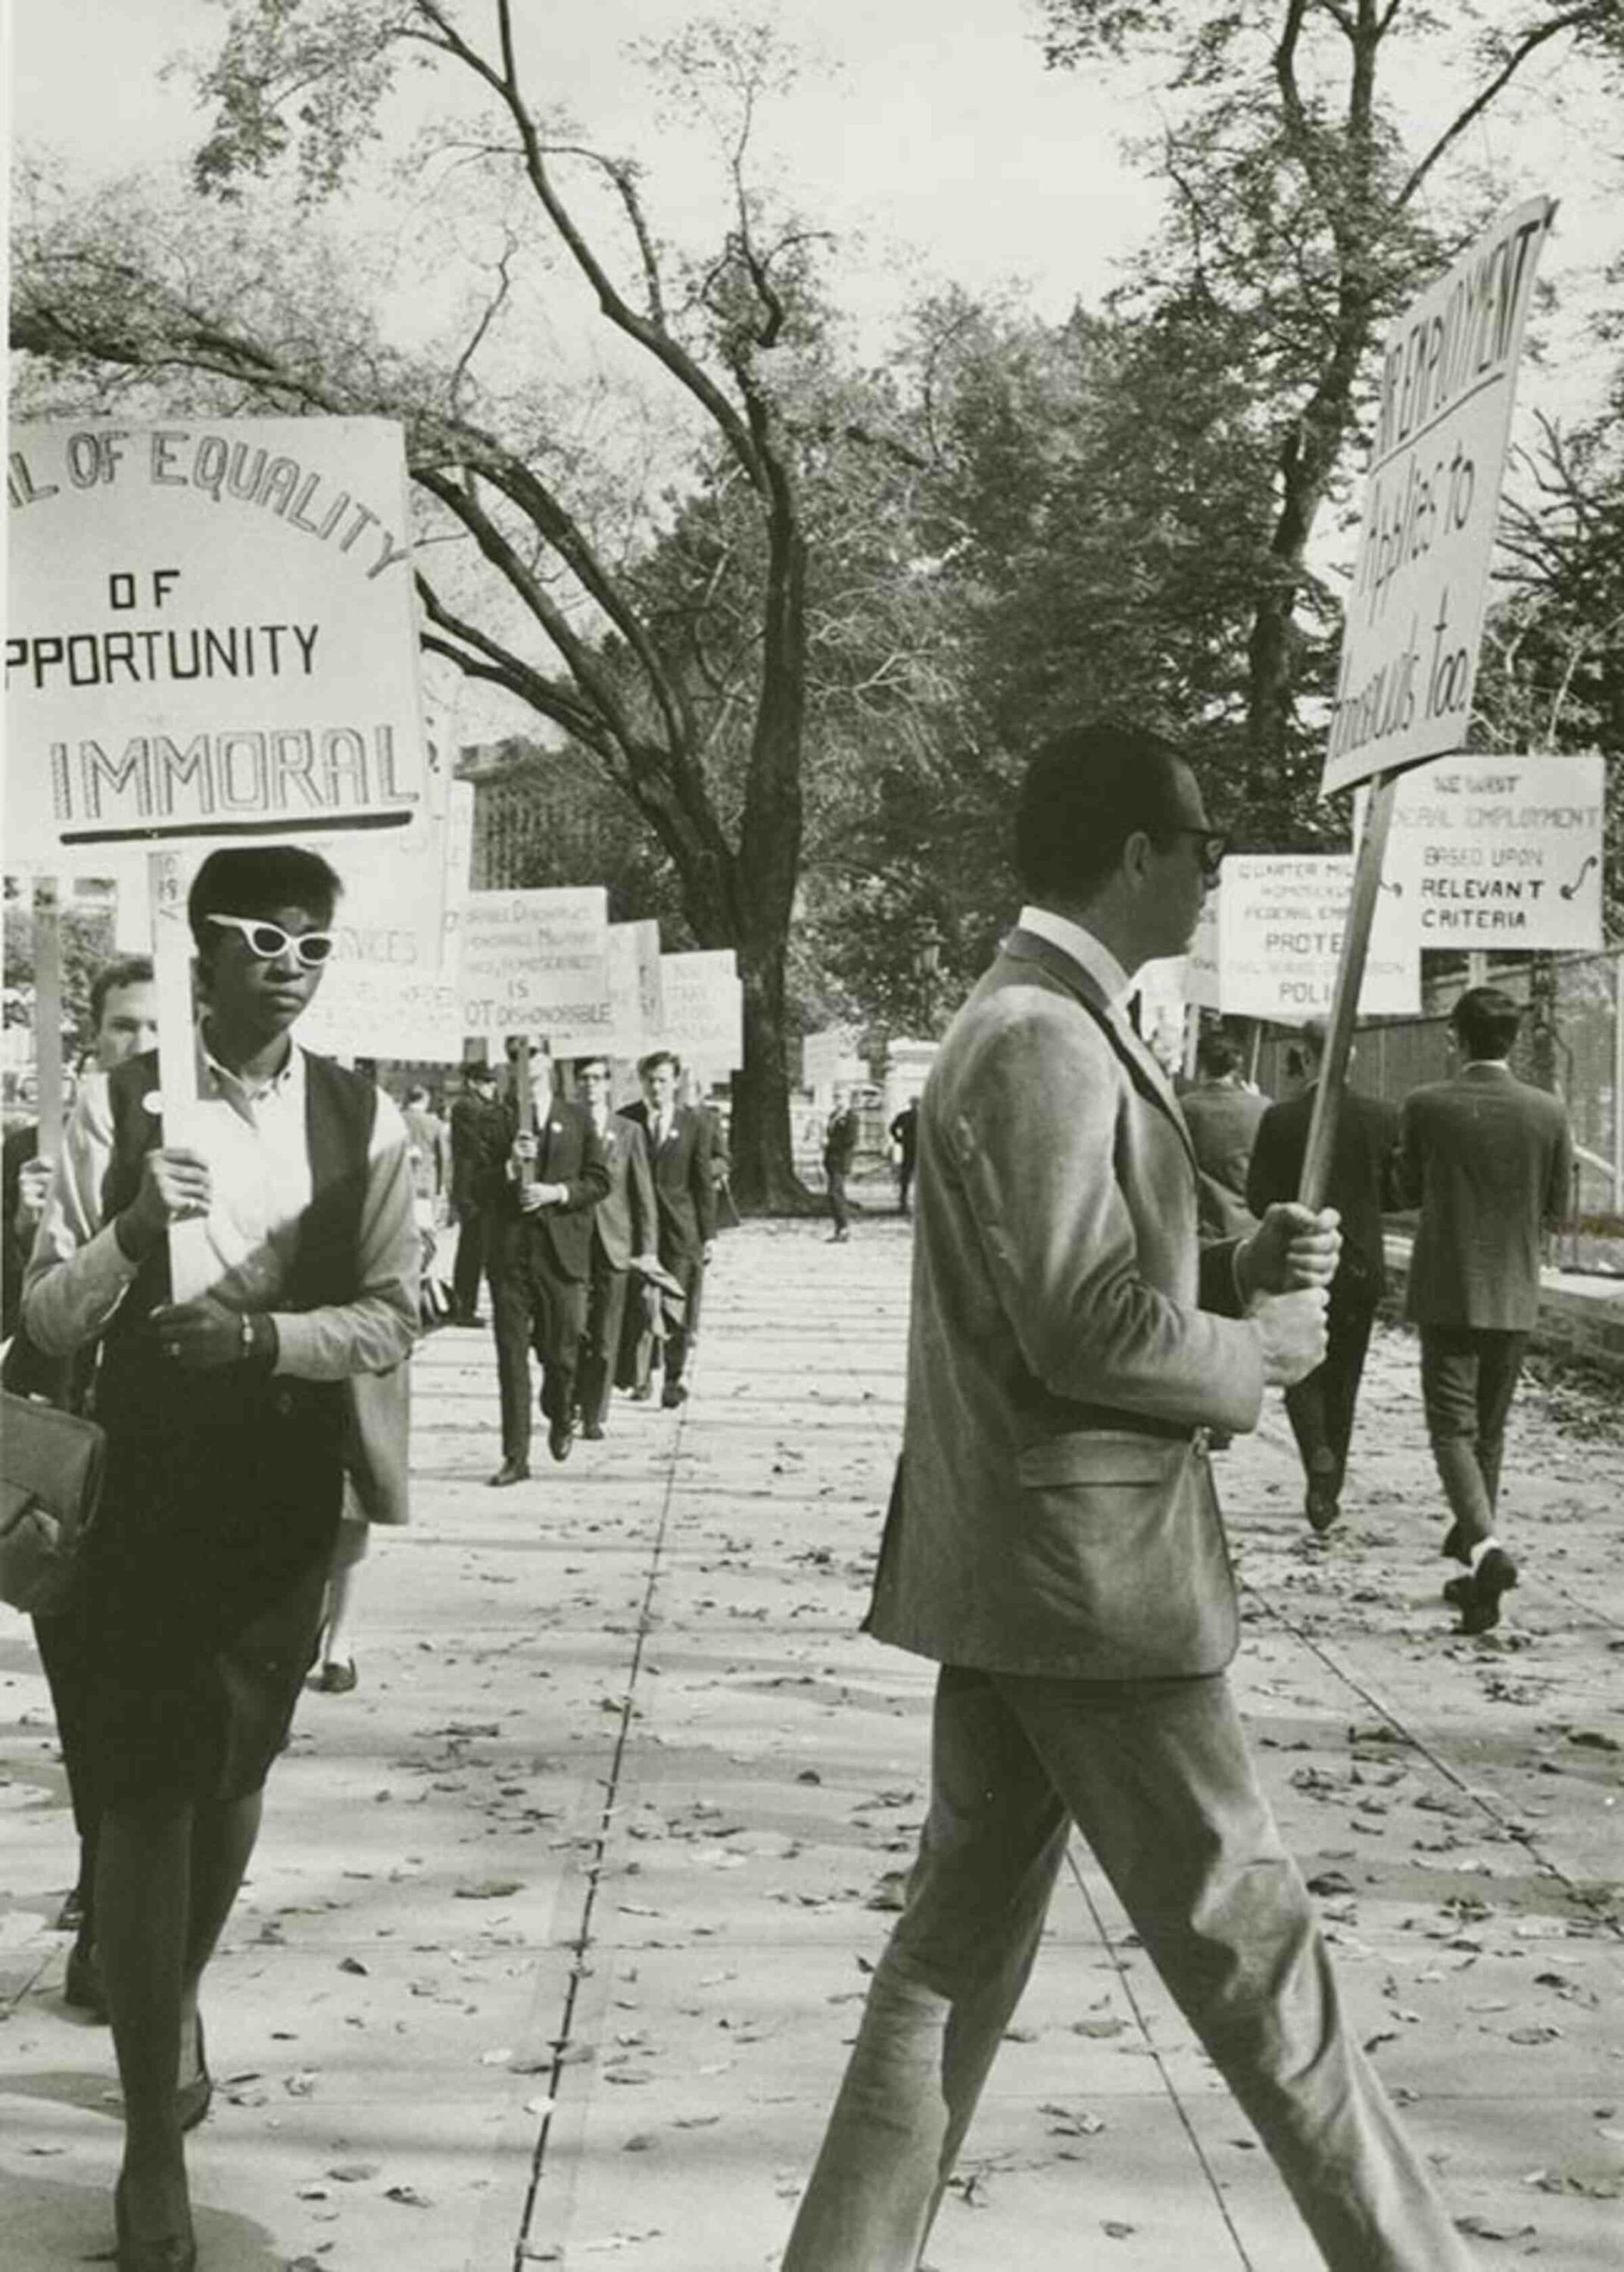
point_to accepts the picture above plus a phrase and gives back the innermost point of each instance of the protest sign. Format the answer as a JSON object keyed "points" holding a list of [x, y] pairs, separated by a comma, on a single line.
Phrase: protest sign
{"points": [[1497, 852], [636, 995], [211, 634], [1432, 501], [537, 963], [1279, 921], [830, 1060], [703, 1011]]}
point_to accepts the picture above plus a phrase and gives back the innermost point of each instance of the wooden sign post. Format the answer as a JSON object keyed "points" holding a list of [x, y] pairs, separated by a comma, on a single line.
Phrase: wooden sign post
{"points": [[1344, 1001], [48, 1016], [189, 1258]]}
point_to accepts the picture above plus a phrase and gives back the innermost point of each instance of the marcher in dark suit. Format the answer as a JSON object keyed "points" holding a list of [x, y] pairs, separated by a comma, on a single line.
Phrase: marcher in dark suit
{"points": [[905, 1135], [625, 1230], [840, 1134], [541, 1246], [1055, 1543], [679, 1140], [480, 1135], [1360, 1184], [1487, 1160], [1222, 1117]]}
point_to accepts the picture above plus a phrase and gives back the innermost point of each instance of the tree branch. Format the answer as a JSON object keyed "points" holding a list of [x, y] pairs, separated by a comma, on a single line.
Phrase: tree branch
{"points": [[1487, 93]]}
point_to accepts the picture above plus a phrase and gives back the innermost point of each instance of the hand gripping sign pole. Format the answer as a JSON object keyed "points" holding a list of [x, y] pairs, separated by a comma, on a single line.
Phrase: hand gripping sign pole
{"points": [[177, 1057]]}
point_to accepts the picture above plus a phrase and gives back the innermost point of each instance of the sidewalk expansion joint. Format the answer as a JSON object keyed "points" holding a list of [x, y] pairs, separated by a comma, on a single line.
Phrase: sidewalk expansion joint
{"points": [[581, 1946], [1124, 1981]]}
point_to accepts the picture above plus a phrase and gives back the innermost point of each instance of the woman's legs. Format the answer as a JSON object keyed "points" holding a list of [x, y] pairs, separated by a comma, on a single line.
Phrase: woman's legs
{"points": [[168, 1873]]}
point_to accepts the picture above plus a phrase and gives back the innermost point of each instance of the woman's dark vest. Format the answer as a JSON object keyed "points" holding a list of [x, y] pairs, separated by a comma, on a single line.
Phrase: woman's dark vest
{"points": [[136, 1390]]}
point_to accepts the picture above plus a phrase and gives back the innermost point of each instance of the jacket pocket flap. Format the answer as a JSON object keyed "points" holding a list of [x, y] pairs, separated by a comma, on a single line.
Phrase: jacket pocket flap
{"points": [[15, 1501], [1102, 1455]]}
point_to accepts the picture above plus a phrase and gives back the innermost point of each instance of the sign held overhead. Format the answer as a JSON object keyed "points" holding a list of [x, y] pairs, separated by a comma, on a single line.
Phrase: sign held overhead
{"points": [[1431, 500], [212, 631]]}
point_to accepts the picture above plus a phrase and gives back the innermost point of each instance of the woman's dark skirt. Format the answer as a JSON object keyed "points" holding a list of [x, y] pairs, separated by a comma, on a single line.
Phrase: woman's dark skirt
{"points": [[204, 1586]]}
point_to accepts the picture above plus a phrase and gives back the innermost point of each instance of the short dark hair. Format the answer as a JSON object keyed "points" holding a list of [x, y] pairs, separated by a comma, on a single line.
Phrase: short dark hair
{"points": [[658, 1057], [592, 1057], [1485, 1022], [1085, 792], [418, 1094], [478, 1069], [128, 970], [257, 879], [1218, 1053]]}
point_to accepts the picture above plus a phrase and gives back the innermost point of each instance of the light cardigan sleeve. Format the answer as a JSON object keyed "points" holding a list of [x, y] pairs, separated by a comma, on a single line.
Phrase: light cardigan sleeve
{"points": [[375, 1330]]}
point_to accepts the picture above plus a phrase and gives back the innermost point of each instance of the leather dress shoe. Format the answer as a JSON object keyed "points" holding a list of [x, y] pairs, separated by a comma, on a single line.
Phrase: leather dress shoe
{"points": [[511, 1471], [642, 1393], [1321, 1509], [1476, 1597], [192, 2100], [673, 1394], [175, 2252], [592, 1432], [337, 1678], [561, 1438], [81, 1982]]}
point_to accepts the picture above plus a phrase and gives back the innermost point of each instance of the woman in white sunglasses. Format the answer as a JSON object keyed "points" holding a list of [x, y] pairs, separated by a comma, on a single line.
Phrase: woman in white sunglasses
{"points": [[230, 1422]]}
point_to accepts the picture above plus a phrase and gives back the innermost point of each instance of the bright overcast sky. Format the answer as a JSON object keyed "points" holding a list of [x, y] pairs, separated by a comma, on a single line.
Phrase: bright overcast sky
{"points": [[939, 149]]}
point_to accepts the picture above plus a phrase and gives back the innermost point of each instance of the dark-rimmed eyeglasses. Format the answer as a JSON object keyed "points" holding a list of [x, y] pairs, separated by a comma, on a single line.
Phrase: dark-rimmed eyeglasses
{"points": [[1211, 845], [268, 942]]}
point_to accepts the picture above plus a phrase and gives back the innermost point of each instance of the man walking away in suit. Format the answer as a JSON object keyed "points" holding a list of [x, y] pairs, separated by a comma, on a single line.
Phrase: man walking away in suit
{"points": [[1361, 1184], [679, 1143], [1487, 1160], [624, 1232], [840, 1149], [1055, 1543], [905, 1135], [480, 1141], [1223, 1117], [541, 1255]]}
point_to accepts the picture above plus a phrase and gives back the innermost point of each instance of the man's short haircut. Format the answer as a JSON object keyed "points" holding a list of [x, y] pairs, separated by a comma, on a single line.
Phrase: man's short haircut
{"points": [[1312, 1034], [417, 1095], [1485, 1022], [477, 1069], [128, 970], [657, 1057], [582, 1066], [1085, 792], [257, 880], [1218, 1053]]}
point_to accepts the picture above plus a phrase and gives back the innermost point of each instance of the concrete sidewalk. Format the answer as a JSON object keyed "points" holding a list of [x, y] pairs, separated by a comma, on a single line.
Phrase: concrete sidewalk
{"points": [[560, 1921]]}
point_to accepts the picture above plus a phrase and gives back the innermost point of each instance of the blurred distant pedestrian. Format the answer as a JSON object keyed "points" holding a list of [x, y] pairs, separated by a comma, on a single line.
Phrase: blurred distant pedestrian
{"points": [[479, 1140], [840, 1134], [1221, 1115], [1487, 1158], [1361, 1184], [905, 1135]]}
